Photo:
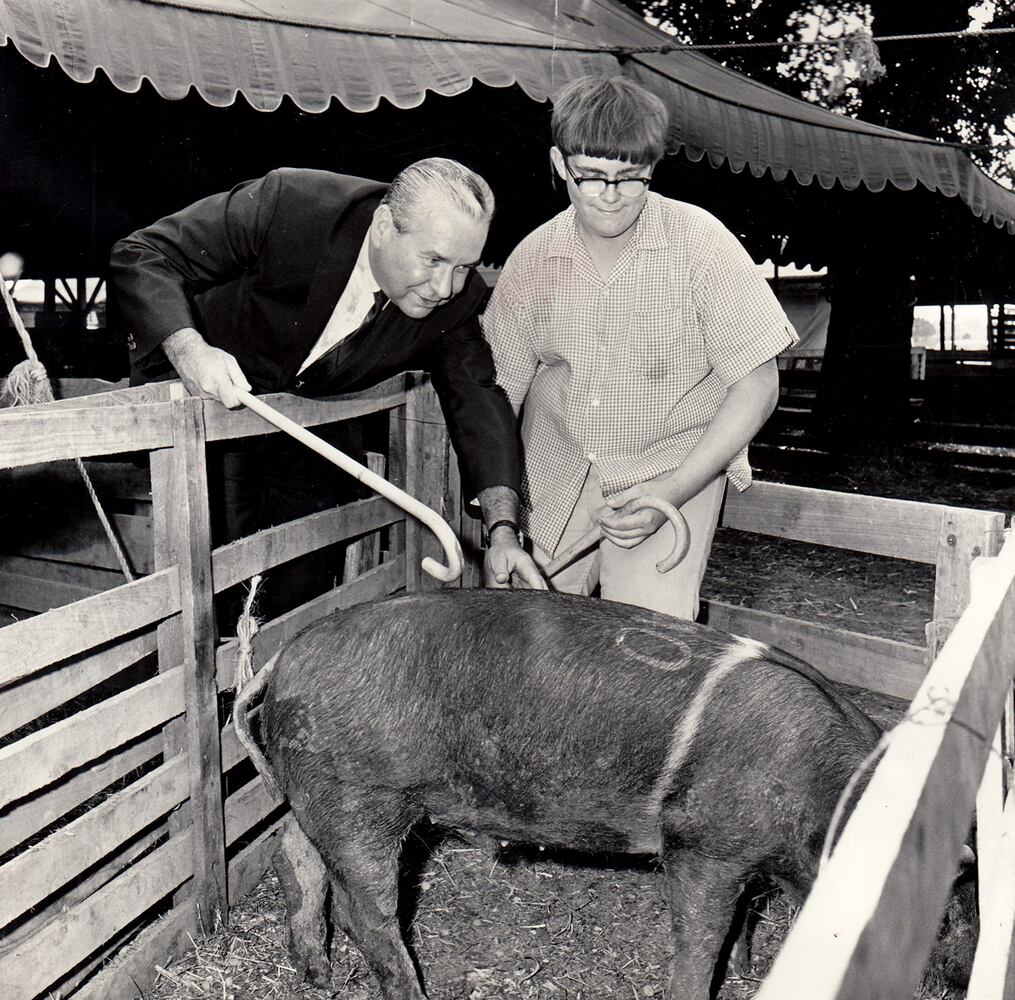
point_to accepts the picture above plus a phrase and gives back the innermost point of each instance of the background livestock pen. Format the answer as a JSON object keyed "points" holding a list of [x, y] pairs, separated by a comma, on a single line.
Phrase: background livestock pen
{"points": [[129, 818]]}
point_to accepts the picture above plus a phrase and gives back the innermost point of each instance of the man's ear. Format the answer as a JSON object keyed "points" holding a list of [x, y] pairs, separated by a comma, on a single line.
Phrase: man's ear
{"points": [[382, 225]]}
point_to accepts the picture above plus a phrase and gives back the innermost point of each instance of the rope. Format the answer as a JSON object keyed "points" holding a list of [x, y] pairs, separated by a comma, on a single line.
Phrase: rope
{"points": [[553, 43], [247, 626], [28, 383], [800, 44]]}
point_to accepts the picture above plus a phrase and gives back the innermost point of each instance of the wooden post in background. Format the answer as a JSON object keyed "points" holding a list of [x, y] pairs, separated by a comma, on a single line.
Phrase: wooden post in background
{"points": [[964, 536], [365, 553], [426, 450]]}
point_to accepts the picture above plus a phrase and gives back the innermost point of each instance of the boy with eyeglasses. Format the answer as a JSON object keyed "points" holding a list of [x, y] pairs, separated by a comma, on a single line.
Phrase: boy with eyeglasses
{"points": [[638, 341]]}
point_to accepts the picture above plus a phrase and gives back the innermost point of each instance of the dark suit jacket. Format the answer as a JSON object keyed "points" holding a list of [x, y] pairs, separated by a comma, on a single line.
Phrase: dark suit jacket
{"points": [[258, 271]]}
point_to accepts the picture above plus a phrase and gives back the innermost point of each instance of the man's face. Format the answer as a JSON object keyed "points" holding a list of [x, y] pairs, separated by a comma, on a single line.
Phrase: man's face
{"points": [[428, 264], [609, 214]]}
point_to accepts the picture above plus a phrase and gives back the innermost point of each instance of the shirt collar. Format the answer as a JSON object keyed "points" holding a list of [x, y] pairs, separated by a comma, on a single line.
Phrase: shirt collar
{"points": [[649, 233], [362, 279]]}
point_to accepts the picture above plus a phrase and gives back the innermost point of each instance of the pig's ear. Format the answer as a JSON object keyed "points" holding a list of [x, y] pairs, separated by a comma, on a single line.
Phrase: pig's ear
{"points": [[966, 859]]}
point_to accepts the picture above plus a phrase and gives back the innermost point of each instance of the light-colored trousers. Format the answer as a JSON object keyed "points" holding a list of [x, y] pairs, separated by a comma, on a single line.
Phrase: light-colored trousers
{"points": [[630, 575]]}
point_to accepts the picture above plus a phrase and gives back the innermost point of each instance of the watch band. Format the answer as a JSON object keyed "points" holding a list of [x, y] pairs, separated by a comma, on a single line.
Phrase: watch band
{"points": [[505, 522]]}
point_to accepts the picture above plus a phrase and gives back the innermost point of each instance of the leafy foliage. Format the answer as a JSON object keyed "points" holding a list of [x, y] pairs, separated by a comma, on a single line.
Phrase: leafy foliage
{"points": [[960, 89]]}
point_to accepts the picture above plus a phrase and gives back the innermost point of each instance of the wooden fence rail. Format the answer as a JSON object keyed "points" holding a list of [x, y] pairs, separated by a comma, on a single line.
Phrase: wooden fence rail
{"points": [[115, 825], [869, 923]]}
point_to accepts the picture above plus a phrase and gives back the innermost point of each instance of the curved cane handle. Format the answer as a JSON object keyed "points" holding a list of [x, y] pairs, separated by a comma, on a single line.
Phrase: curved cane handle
{"points": [[681, 538], [681, 533], [408, 503]]}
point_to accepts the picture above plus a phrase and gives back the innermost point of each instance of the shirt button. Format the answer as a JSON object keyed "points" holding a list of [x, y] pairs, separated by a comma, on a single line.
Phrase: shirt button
{"points": [[592, 456], [594, 402]]}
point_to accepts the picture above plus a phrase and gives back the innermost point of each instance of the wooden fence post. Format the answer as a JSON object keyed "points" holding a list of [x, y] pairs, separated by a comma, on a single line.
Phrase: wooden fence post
{"points": [[964, 536], [183, 538], [426, 473]]}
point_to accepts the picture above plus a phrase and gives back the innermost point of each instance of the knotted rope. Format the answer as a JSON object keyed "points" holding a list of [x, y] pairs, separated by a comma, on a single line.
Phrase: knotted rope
{"points": [[247, 626], [28, 383]]}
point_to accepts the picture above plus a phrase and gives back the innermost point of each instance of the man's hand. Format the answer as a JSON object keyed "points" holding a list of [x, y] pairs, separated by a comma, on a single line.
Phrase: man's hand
{"points": [[506, 562], [205, 371]]}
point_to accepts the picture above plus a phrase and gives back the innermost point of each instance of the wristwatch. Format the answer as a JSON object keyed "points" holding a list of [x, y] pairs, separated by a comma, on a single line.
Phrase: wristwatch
{"points": [[504, 522]]}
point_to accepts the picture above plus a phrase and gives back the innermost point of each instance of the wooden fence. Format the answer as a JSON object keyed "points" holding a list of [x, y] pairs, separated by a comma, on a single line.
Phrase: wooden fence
{"points": [[869, 923], [124, 822], [127, 819]]}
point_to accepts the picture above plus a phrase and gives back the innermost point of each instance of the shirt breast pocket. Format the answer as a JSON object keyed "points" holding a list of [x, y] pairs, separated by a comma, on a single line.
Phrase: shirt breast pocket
{"points": [[649, 348], [664, 353]]}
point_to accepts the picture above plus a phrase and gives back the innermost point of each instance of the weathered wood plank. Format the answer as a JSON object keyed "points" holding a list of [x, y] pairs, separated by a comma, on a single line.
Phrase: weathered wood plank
{"points": [[993, 975], [66, 535], [901, 529], [77, 432], [46, 867], [964, 535], [200, 692], [873, 913], [81, 890], [35, 814], [132, 974], [224, 424], [365, 552], [28, 646], [396, 469], [240, 560], [247, 807], [47, 754], [33, 593], [427, 447], [22, 703], [884, 665], [248, 867], [375, 583], [111, 478], [100, 392], [38, 962]]}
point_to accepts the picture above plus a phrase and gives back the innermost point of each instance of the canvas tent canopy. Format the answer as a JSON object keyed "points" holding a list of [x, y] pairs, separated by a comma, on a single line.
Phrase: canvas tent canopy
{"points": [[316, 51]]}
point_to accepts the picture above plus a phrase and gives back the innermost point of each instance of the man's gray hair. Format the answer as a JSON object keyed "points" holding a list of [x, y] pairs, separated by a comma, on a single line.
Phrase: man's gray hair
{"points": [[462, 187]]}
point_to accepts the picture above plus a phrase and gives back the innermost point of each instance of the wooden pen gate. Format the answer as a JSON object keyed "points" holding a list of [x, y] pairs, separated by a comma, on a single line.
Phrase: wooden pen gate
{"points": [[123, 825], [126, 816]]}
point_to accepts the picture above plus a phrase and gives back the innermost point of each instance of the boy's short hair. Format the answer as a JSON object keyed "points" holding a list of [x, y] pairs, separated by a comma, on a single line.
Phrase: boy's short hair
{"points": [[612, 117]]}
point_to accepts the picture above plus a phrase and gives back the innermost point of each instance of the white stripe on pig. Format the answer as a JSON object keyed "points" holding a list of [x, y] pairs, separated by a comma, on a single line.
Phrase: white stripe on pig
{"points": [[739, 651]]}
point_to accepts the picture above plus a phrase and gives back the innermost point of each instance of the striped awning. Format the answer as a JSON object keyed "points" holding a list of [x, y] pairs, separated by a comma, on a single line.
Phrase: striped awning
{"points": [[360, 51]]}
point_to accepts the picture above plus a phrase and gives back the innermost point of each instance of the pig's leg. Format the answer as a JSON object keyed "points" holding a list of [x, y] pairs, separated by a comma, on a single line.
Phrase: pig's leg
{"points": [[304, 882], [702, 893], [364, 886]]}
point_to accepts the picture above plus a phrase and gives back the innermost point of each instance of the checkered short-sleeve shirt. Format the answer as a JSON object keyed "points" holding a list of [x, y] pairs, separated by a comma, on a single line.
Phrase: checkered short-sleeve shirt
{"points": [[625, 373]]}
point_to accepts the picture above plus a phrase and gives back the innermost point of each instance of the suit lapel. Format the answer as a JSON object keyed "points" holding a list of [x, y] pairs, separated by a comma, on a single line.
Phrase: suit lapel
{"points": [[332, 274]]}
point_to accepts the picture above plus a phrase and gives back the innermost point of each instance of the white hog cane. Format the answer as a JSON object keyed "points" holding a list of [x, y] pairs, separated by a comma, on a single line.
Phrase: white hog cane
{"points": [[408, 503], [681, 538]]}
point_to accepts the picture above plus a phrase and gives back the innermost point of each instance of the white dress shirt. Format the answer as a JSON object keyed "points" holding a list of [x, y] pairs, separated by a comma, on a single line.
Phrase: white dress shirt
{"points": [[351, 309]]}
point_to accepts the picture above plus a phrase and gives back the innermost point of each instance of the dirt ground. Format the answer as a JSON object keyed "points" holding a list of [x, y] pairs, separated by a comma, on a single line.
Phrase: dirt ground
{"points": [[534, 925]]}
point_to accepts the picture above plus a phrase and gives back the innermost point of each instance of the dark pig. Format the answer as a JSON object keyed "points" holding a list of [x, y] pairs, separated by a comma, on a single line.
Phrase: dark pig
{"points": [[554, 720]]}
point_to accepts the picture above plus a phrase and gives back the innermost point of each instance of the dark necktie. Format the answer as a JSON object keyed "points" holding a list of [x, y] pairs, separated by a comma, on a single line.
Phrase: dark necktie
{"points": [[323, 369], [380, 301]]}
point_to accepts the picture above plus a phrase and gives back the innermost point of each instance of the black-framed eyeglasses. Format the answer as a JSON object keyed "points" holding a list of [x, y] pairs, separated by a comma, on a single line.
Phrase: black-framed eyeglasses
{"points": [[629, 187]]}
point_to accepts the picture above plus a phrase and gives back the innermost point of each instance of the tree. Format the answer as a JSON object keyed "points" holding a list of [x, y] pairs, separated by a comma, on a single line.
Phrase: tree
{"points": [[960, 89]]}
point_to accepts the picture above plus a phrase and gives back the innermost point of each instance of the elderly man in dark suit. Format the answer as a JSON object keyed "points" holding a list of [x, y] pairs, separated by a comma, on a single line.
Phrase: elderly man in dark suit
{"points": [[319, 283]]}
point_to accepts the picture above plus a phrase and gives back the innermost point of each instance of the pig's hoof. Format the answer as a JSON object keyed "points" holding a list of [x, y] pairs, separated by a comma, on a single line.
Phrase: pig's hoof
{"points": [[740, 959], [315, 970]]}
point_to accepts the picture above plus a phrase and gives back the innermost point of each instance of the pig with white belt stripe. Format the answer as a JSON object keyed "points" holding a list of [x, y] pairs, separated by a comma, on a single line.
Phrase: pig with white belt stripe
{"points": [[553, 720]]}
